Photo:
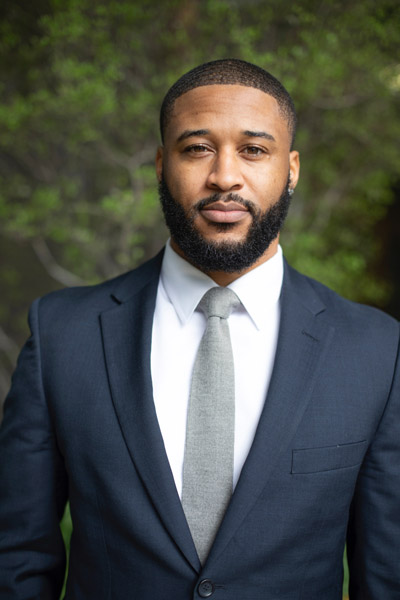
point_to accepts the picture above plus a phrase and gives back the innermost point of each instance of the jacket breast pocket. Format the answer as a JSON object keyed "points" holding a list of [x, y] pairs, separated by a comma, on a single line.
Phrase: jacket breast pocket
{"points": [[328, 458]]}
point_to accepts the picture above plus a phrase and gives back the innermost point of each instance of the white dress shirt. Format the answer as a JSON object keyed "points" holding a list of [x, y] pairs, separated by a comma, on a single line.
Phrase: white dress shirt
{"points": [[178, 327]]}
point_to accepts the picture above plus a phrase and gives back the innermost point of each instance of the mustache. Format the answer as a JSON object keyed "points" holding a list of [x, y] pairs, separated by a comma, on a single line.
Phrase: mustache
{"points": [[219, 197]]}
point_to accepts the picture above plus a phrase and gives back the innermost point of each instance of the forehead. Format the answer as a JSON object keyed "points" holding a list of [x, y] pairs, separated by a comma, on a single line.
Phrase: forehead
{"points": [[227, 107]]}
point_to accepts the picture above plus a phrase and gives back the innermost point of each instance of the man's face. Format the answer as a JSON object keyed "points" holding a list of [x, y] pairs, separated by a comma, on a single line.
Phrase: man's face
{"points": [[225, 165]]}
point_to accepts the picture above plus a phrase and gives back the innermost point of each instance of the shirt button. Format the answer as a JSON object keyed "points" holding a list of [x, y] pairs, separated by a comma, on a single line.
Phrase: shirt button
{"points": [[205, 588]]}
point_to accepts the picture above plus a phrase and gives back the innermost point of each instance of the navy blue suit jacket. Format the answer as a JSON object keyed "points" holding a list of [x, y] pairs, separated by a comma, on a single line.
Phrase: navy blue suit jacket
{"points": [[80, 423]]}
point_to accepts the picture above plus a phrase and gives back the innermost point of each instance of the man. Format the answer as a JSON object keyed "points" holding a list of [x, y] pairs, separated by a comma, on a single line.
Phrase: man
{"points": [[104, 409]]}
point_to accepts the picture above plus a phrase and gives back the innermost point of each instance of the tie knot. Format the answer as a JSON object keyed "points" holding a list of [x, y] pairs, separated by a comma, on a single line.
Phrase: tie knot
{"points": [[219, 302]]}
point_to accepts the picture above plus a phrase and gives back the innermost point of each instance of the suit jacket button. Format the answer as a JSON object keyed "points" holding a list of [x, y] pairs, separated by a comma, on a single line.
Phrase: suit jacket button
{"points": [[205, 588]]}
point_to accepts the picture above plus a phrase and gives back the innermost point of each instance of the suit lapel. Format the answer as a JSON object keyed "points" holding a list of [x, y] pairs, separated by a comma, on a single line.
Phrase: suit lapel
{"points": [[302, 344], [127, 331]]}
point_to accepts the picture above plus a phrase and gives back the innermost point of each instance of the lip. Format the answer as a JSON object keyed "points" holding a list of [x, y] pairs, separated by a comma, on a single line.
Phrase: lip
{"points": [[224, 212]]}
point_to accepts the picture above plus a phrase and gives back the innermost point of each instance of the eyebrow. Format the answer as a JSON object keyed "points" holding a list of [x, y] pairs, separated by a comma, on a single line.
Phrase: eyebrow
{"points": [[200, 132], [259, 134], [192, 133]]}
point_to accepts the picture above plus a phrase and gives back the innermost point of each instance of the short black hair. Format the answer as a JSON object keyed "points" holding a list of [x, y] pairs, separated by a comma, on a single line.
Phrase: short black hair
{"points": [[230, 71]]}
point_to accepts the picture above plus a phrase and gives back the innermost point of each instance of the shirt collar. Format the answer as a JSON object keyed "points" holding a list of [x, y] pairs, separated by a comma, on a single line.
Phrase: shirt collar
{"points": [[185, 285]]}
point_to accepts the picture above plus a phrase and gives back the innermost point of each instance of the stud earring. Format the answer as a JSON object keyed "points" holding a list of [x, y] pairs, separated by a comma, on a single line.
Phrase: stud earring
{"points": [[291, 191]]}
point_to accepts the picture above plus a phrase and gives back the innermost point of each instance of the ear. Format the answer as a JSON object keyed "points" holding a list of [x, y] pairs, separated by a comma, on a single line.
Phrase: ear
{"points": [[294, 168], [159, 162]]}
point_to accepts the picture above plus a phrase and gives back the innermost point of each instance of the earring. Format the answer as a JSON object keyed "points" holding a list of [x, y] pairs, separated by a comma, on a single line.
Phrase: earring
{"points": [[291, 191]]}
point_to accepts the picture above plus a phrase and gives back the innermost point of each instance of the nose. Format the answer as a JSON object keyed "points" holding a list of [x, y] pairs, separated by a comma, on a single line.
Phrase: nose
{"points": [[225, 174]]}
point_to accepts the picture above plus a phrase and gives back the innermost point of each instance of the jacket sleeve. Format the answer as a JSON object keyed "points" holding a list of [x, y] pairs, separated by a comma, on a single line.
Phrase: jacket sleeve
{"points": [[33, 485], [374, 527]]}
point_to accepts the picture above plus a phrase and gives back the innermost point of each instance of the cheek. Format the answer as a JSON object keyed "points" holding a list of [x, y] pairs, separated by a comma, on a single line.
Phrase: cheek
{"points": [[271, 179], [263, 184], [186, 184]]}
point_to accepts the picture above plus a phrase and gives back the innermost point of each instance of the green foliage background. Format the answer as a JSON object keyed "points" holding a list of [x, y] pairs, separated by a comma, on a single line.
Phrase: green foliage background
{"points": [[80, 91], [81, 86]]}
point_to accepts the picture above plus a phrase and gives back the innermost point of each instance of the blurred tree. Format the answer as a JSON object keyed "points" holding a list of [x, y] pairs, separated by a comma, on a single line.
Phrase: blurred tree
{"points": [[81, 86]]}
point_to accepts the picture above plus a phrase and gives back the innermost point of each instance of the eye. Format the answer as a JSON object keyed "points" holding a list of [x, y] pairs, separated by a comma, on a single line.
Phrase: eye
{"points": [[253, 151], [197, 149]]}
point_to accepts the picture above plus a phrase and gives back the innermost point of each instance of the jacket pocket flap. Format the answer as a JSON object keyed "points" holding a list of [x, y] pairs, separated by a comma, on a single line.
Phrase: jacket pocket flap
{"points": [[328, 458]]}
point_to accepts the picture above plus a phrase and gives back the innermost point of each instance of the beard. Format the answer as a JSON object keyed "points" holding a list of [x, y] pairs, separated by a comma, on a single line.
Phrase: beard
{"points": [[228, 257]]}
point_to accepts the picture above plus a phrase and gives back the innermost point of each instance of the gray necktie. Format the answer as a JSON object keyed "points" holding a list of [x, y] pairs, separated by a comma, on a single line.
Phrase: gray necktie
{"points": [[208, 461]]}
